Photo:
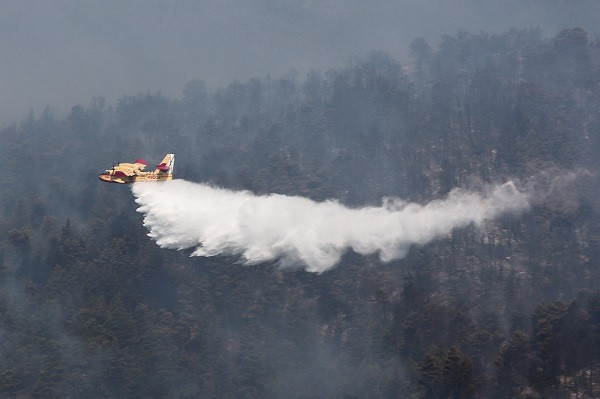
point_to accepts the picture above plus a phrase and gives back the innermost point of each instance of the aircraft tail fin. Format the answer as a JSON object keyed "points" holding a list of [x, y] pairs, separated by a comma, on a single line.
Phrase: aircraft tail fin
{"points": [[166, 165]]}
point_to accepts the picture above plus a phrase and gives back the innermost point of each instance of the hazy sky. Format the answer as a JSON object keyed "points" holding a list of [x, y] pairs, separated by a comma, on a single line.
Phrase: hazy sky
{"points": [[62, 53]]}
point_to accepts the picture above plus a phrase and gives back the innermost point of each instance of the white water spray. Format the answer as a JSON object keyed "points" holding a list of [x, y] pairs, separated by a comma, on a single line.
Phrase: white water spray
{"points": [[301, 232]]}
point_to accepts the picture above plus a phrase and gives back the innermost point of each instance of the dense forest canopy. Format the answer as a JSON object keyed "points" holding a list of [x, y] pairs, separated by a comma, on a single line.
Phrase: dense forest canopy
{"points": [[92, 307]]}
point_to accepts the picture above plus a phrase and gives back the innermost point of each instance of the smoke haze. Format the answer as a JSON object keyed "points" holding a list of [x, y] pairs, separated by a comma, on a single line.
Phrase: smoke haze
{"points": [[62, 53], [300, 232]]}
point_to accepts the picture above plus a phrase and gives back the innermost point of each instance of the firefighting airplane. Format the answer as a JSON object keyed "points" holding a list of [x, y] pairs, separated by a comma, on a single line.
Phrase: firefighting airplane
{"points": [[125, 173]]}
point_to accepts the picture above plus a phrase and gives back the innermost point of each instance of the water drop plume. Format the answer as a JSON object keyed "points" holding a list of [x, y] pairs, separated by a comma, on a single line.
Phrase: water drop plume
{"points": [[297, 231]]}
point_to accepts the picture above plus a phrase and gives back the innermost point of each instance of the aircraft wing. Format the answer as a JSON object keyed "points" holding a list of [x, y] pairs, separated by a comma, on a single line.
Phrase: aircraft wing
{"points": [[141, 164], [125, 170]]}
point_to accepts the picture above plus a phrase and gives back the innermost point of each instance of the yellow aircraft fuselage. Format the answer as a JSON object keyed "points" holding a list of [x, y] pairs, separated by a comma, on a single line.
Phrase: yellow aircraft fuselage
{"points": [[125, 173], [143, 176]]}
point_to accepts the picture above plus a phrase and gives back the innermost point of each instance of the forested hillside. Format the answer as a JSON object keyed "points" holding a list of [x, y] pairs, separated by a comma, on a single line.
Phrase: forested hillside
{"points": [[92, 307]]}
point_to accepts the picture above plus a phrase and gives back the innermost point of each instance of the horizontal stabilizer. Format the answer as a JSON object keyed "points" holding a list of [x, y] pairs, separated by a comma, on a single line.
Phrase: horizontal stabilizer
{"points": [[166, 165]]}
